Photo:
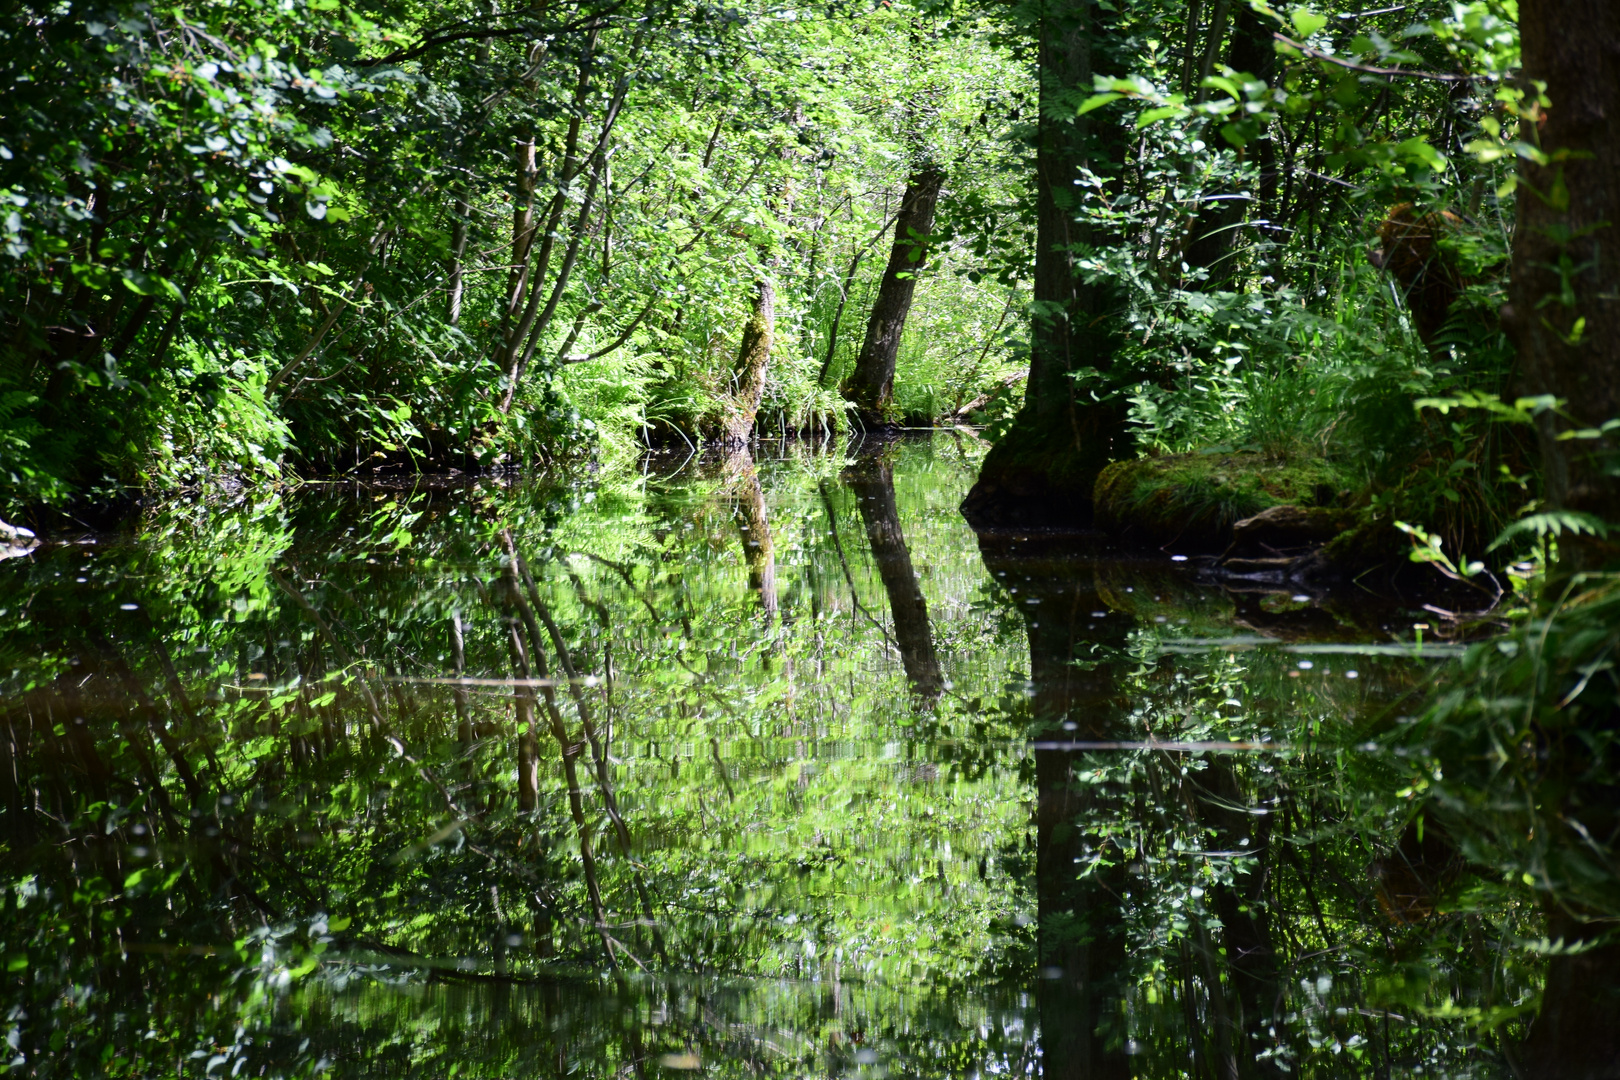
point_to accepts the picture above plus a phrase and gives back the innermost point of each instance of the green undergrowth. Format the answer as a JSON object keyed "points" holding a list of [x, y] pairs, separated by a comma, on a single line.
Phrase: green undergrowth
{"points": [[1535, 710]]}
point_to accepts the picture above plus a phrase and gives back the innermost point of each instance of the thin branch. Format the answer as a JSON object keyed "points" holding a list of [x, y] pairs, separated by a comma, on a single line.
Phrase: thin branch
{"points": [[427, 44], [1317, 54]]}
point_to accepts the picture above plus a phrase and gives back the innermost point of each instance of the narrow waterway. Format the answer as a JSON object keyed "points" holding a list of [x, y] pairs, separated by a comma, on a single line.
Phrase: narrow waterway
{"points": [[733, 766]]}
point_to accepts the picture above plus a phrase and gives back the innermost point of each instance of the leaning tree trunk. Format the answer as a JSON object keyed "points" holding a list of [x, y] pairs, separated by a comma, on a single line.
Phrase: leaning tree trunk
{"points": [[1043, 469], [1565, 314], [753, 360], [870, 387]]}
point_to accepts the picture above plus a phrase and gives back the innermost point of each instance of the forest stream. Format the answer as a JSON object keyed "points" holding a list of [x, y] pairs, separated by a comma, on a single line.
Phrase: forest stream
{"points": [[746, 766]]}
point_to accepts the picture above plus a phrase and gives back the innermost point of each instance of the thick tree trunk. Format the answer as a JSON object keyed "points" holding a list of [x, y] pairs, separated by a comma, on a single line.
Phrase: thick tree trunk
{"points": [[1043, 469], [870, 387], [1565, 311], [1564, 317], [872, 481], [753, 360]]}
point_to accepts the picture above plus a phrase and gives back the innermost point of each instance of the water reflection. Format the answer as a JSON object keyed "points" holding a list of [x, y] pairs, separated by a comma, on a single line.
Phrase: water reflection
{"points": [[1081, 871], [765, 766], [871, 480]]}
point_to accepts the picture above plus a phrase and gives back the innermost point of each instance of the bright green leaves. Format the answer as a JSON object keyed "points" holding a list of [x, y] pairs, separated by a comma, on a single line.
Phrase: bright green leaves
{"points": [[1551, 524], [1418, 150], [1242, 109], [1306, 22], [1097, 101], [1160, 112]]}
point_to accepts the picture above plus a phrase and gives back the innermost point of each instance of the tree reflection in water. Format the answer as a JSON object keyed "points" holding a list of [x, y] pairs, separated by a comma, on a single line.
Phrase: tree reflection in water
{"points": [[520, 781]]}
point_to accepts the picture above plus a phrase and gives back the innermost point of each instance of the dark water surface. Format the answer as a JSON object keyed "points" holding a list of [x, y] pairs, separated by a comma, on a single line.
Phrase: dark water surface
{"points": [[731, 767]]}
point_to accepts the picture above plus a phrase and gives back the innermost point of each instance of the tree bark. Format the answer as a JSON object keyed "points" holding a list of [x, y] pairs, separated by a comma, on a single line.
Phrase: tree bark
{"points": [[870, 387], [1043, 469], [458, 268], [1564, 313], [753, 360], [872, 481], [1564, 317]]}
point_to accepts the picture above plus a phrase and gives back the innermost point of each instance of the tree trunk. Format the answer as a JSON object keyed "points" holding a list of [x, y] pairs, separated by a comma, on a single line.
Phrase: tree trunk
{"points": [[871, 385], [1043, 469], [1213, 233], [1576, 1032], [1564, 315], [753, 359], [458, 268], [872, 481]]}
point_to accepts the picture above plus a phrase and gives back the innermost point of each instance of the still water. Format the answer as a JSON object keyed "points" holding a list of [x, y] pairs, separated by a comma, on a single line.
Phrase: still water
{"points": [[725, 767]]}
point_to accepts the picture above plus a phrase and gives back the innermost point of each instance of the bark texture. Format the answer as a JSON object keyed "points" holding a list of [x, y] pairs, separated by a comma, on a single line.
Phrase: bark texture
{"points": [[753, 360], [872, 481], [1564, 317], [1565, 309], [1042, 470], [870, 387]]}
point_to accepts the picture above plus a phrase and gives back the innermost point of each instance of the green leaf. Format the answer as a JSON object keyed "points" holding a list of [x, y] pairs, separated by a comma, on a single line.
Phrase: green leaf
{"points": [[1163, 112], [1553, 523], [1097, 101], [1306, 21], [1419, 149]]}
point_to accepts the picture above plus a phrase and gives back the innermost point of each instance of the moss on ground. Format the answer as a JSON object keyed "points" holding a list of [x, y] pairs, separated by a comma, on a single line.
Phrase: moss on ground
{"points": [[1192, 500]]}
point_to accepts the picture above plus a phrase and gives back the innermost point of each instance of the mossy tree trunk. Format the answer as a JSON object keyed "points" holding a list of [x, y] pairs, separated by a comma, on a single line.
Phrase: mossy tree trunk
{"points": [[1565, 312], [1042, 470], [870, 387], [753, 361]]}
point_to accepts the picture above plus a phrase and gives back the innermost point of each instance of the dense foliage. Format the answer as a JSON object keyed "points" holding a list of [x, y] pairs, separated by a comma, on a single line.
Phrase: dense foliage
{"points": [[248, 238]]}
